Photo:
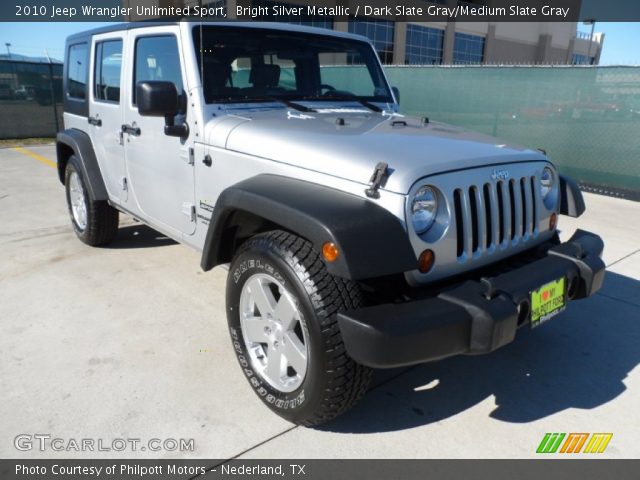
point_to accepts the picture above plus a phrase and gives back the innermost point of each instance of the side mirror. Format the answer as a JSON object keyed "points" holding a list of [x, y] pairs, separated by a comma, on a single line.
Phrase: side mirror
{"points": [[161, 99], [396, 93]]}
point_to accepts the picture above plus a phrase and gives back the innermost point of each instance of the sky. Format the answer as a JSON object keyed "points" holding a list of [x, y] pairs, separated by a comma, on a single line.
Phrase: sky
{"points": [[620, 45]]}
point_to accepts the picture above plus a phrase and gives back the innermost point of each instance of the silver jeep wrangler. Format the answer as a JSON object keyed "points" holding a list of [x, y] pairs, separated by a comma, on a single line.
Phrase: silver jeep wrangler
{"points": [[356, 237]]}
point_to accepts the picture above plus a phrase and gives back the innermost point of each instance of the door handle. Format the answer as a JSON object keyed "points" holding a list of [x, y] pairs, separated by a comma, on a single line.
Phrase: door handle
{"points": [[95, 121], [131, 130]]}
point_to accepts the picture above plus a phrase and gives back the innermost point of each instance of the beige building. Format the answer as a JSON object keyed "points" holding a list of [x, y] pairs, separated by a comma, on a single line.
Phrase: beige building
{"points": [[435, 43]]}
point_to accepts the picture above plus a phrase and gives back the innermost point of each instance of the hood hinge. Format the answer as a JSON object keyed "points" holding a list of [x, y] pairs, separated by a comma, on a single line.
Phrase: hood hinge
{"points": [[379, 177]]}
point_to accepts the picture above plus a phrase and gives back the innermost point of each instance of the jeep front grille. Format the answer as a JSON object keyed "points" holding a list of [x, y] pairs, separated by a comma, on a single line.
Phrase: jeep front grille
{"points": [[495, 215]]}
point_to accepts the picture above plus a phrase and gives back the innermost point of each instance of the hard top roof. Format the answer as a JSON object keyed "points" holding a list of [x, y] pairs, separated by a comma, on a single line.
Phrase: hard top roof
{"points": [[229, 23]]}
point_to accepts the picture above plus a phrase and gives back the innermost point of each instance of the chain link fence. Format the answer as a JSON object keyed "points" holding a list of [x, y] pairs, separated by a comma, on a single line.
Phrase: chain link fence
{"points": [[30, 98]]}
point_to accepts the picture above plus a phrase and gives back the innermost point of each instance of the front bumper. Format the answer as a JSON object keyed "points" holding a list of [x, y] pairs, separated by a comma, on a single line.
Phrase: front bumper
{"points": [[473, 317]]}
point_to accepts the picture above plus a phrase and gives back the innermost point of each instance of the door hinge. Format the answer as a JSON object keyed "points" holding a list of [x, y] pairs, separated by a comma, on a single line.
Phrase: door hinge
{"points": [[189, 209], [192, 156], [125, 187]]}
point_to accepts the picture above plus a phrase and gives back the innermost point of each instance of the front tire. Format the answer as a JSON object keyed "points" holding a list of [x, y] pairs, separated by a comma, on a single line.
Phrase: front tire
{"points": [[94, 222], [281, 308]]}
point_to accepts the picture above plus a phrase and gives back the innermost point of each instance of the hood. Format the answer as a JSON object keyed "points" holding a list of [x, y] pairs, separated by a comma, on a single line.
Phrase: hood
{"points": [[349, 143]]}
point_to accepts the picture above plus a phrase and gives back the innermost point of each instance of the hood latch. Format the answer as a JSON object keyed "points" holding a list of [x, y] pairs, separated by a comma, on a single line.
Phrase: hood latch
{"points": [[380, 175]]}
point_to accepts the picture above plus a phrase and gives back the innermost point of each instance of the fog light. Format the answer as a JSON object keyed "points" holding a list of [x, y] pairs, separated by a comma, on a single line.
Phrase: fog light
{"points": [[553, 221], [330, 251], [426, 261]]}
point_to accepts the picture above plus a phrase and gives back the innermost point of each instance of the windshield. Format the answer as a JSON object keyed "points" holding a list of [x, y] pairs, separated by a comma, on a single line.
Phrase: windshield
{"points": [[241, 64]]}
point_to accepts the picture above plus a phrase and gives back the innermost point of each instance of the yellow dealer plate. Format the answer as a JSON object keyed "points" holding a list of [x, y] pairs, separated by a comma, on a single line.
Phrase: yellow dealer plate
{"points": [[547, 301]]}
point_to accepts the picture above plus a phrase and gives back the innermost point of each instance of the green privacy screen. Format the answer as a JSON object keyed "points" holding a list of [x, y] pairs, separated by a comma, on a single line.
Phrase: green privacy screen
{"points": [[586, 118]]}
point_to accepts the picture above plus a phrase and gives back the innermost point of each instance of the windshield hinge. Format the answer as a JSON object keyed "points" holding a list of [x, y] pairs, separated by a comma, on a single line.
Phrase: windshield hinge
{"points": [[380, 175]]}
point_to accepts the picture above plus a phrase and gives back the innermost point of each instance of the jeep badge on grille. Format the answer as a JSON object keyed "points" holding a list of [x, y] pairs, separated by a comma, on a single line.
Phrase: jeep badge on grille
{"points": [[500, 174]]}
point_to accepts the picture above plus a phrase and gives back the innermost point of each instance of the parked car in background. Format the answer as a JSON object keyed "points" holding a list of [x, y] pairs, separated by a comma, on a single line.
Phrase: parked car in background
{"points": [[24, 92]]}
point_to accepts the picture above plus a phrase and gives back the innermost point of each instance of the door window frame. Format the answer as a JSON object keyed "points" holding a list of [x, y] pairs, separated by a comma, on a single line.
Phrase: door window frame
{"points": [[98, 47]]}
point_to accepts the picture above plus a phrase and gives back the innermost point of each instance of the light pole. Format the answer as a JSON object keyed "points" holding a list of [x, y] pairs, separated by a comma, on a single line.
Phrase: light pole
{"points": [[591, 22], [8, 45]]}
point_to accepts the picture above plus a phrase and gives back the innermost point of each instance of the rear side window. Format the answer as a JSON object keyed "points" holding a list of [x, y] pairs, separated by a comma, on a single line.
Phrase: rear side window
{"points": [[77, 71], [157, 58], [108, 67]]}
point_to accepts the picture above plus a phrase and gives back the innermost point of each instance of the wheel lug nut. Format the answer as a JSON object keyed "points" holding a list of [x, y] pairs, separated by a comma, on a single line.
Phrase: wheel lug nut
{"points": [[267, 330], [276, 344]]}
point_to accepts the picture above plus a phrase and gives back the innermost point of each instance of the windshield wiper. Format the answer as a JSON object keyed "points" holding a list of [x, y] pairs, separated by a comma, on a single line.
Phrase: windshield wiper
{"points": [[294, 105], [343, 96]]}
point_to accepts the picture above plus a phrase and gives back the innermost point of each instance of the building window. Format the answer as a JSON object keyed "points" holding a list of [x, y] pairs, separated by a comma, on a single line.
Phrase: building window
{"points": [[380, 32], [424, 45], [468, 49], [306, 20], [578, 59]]}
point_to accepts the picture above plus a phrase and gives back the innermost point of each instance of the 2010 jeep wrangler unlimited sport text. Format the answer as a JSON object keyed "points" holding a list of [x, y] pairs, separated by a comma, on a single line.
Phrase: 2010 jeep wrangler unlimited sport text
{"points": [[356, 237]]}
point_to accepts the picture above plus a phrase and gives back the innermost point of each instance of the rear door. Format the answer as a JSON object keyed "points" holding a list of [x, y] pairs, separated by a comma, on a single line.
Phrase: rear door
{"points": [[159, 167], [105, 109]]}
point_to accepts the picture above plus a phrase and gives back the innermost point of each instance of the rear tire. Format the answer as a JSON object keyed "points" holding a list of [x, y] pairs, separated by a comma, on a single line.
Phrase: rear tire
{"points": [[281, 307], [94, 222]]}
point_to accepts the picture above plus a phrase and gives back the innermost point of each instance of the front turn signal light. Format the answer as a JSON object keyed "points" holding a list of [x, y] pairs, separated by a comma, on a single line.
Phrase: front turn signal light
{"points": [[426, 261], [330, 251]]}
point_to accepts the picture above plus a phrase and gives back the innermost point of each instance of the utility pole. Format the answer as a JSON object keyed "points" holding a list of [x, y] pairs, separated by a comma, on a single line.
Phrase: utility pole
{"points": [[52, 92], [591, 22]]}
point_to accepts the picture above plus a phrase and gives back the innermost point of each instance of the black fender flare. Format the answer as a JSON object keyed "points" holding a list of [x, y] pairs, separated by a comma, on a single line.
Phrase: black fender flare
{"points": [[80, 143], [372, 242], [571, 200]]}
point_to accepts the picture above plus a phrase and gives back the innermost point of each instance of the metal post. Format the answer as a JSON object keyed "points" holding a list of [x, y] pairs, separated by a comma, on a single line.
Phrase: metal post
{"points": [[593, 26], [53, 92]]}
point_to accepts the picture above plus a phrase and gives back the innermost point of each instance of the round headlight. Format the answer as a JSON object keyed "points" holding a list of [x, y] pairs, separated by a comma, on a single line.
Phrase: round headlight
{"points": [[423, 209], [547, 181]]}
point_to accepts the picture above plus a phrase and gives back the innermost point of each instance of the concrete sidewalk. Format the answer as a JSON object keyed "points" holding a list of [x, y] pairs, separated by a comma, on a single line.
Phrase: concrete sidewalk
{"points": [[130, 341]]}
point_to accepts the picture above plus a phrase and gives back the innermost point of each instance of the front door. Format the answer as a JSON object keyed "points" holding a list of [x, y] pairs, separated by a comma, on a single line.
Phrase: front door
{"points": [[159, 167]]}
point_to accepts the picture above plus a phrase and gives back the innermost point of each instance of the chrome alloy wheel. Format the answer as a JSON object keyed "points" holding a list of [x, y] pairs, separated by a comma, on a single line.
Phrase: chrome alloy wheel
{"points": [[274, 332], [77, 200]]}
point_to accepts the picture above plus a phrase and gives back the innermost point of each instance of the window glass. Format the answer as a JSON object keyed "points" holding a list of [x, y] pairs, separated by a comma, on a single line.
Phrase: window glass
{"points": [[424, 45], [354, 78], [108, 66], [77, 71], [380, 32], [249, 64], [468, 49], [157, 58]]}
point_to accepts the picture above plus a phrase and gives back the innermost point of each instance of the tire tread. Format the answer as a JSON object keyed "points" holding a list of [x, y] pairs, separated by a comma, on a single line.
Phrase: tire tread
{"points": [[102, 218], [347, 380]]}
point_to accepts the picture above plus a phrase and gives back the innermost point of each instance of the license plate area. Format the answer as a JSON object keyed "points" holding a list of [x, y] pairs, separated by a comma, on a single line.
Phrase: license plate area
{"points": [[548, 301]]}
